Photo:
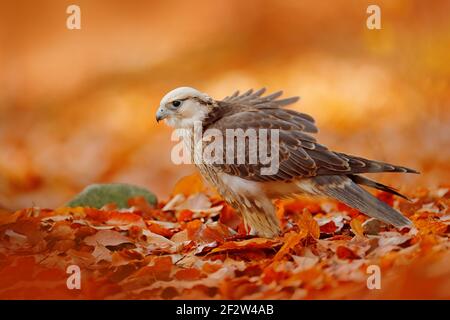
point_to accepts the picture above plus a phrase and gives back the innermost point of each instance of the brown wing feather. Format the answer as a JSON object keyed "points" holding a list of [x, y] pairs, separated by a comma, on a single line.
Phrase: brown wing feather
{"points": [[300, 155], [255, 99]]}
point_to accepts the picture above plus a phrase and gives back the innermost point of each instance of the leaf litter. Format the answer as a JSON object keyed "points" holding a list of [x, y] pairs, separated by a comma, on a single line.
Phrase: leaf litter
{"points": [[194, 246]]}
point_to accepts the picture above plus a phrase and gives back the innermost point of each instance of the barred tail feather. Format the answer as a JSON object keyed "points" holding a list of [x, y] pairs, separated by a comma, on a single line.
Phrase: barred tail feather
{"points": [[362, 165], [376, 185], [345, 190]]}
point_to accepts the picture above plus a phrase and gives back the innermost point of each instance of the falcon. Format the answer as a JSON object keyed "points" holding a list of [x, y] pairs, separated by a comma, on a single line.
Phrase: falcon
{"points": [[304, 167]]}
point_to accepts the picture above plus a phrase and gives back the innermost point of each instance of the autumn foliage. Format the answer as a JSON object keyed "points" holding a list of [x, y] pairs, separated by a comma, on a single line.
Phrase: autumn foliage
{"points": [[195, 247]]}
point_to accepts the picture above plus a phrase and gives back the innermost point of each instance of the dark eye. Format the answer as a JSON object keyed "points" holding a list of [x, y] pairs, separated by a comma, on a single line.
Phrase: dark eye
{"points": [[176, 103]]}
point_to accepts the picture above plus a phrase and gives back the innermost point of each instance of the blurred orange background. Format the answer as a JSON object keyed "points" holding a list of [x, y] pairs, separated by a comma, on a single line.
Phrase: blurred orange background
{"points": [[77, 106]]}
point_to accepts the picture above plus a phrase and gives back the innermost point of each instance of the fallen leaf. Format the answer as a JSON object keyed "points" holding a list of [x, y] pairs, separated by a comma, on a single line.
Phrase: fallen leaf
{"points": [[290, 241], [229, 217], [392, 238], [304, 263], [306, 222], [346, 253], [184, 215], [189, 185], [106, 238], [357, 227], [101, 253], [331, 223], [213, 232], [115, 218], [250, 244], [160, 229], [195, 202], [189, 274], [329, 227]]}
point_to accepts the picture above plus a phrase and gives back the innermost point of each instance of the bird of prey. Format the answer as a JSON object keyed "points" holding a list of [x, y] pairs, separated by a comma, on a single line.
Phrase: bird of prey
{"points": [[305, 166]]}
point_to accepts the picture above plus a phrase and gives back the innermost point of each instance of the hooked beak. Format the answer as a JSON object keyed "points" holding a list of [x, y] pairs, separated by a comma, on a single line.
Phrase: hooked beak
{"points": [[161, 114]]}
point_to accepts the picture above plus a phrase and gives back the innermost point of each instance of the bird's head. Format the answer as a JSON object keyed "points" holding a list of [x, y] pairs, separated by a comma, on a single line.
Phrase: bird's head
{"points": [[184, 106]]}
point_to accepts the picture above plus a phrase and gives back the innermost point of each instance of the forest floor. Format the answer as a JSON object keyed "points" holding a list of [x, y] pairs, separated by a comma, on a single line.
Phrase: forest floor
{"points": [[194, 246]]}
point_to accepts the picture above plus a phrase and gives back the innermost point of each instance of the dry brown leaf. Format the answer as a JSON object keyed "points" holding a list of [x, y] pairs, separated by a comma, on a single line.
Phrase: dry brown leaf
{"points": [[106, 238], [101, 253]]}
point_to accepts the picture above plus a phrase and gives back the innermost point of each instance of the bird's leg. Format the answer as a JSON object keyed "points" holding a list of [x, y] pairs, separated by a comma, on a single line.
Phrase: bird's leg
{"points": [[260, 216], [247, 226]]}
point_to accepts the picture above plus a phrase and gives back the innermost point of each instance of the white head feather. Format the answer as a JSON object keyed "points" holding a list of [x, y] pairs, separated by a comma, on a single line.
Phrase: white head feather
{"points": [[194, 107], [183, 93]]}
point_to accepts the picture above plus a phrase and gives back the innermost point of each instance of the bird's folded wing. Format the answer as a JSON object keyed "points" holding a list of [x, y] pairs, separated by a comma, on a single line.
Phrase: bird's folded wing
{"points": [[299, 154]]}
